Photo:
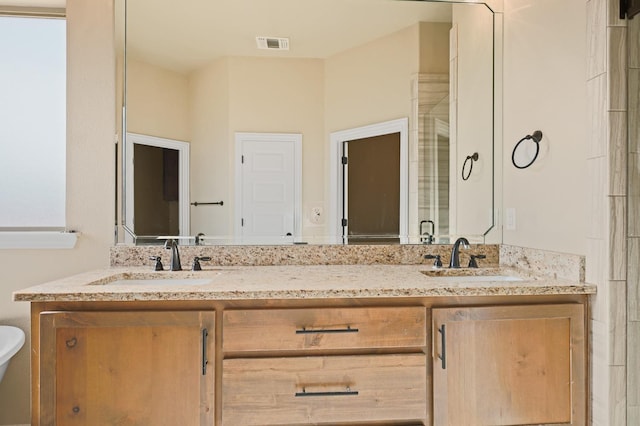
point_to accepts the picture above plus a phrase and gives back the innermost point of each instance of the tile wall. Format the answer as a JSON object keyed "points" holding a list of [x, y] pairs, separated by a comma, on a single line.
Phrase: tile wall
{"points": [[633, 241], [428, 90], [606, 239]]}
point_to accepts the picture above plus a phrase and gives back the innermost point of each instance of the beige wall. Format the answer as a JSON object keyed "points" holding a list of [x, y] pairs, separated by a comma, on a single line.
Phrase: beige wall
{"points": [[471, 96], [371, 83], [434, 47], [365, 85], [90, 187], [544, 87], [264, 95], [544, 47], [157, 101], [232, 95], [210, 149], [284, 96]]}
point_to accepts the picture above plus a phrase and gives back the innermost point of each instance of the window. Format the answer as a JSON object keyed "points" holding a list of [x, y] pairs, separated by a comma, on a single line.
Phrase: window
{"points": [[32, 123]]}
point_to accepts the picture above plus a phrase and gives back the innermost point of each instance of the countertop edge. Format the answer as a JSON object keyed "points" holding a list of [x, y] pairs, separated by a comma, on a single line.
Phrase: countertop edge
{"points": [[292, 283]]}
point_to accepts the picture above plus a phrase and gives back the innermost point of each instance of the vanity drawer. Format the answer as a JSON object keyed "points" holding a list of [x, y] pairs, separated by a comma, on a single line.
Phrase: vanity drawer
{"points": [[323, 329], [319, 390]]}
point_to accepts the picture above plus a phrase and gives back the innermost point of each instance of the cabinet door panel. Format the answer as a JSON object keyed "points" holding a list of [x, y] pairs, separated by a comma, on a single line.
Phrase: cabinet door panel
{"points": [[128, 368], [324, 329], [319, 390], [509, 365]]}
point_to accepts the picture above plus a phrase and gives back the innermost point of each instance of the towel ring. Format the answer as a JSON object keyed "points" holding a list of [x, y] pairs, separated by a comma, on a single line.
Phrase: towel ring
{"points": [[536, 137], [470, 159]]}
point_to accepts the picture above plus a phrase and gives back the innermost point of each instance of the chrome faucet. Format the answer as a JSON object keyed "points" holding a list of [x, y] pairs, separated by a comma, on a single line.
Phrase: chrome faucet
{"points": [[175, 255], [455, 252]]}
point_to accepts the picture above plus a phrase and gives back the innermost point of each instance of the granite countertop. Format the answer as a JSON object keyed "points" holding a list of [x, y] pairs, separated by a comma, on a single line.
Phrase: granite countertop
{"points": [[298, 282]]}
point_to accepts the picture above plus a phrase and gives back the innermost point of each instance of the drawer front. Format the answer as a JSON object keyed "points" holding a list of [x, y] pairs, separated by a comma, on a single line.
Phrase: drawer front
{"points": [[324, 329], [332, 389]]}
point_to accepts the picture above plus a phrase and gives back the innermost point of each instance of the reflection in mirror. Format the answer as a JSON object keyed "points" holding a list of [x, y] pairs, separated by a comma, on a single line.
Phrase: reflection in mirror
{"points": [[197, 76], [434, 174]]}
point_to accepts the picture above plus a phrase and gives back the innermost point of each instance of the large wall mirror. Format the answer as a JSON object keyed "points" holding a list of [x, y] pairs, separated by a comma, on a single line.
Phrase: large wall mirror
{"points": [[307, 122]]}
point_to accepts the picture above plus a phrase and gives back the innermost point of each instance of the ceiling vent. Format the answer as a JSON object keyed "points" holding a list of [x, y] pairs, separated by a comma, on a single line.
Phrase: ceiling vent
{"points": [[272, 43]]}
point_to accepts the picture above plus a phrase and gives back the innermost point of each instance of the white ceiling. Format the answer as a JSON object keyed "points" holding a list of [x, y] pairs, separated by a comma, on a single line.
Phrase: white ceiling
{"points": [[185, 35]]}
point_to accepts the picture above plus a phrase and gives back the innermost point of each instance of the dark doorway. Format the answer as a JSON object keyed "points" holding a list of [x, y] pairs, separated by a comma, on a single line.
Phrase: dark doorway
{"points": [[156, 208], [372, 189]]}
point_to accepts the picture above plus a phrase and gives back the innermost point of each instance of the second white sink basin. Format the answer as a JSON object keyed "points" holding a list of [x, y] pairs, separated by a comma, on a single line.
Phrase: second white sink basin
{"points": [[471, 274], [161, 281], [480, 278]]}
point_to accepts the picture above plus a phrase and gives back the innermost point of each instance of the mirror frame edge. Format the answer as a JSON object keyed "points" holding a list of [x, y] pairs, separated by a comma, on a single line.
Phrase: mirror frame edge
{"points": [[493, 235]]}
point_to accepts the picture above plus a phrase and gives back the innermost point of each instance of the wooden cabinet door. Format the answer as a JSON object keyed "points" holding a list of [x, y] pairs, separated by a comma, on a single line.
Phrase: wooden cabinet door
{"points": [[509, 365], [127, 368]]}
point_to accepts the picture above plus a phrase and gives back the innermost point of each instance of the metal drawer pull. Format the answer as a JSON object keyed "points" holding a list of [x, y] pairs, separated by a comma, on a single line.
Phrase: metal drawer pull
{"points": [[443, 338], [205, 361], [330, 330], [347, 392]]}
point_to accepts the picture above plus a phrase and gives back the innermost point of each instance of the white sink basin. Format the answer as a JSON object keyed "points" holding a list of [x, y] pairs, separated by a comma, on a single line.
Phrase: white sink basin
{"points": [[480, 278], [470, 274], [162, 281]]}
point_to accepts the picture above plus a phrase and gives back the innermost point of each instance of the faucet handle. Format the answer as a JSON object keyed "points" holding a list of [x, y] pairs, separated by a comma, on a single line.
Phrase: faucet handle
{"points": [[437, 263], [196, 262], [472, 260], [158, 266]]}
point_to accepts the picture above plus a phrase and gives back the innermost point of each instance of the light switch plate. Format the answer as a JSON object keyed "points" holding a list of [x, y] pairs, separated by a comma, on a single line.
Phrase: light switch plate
{"points": [[316, 215]]}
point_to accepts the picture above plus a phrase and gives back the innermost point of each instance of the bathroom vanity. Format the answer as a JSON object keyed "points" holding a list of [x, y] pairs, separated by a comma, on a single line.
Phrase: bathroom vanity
{"points": [[331, 344]]}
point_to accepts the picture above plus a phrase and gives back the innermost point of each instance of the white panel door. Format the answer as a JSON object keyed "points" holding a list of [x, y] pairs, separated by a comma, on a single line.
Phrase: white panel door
{"points": [[268, 199]]}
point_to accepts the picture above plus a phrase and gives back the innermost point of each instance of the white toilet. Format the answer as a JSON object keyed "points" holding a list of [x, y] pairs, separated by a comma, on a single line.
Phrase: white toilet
{"points": [[11, 340]]}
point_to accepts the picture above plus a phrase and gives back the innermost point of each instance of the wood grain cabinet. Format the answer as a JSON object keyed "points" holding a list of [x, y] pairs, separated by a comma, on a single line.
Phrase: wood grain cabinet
{"points": [[326, 329], [325, 366], [324, 390], [329, 362], [127, 368], [509, 365]]}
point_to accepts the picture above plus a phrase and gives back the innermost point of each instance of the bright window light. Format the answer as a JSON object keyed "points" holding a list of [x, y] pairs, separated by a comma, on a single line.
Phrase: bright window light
{"points": [[32, 122]]}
